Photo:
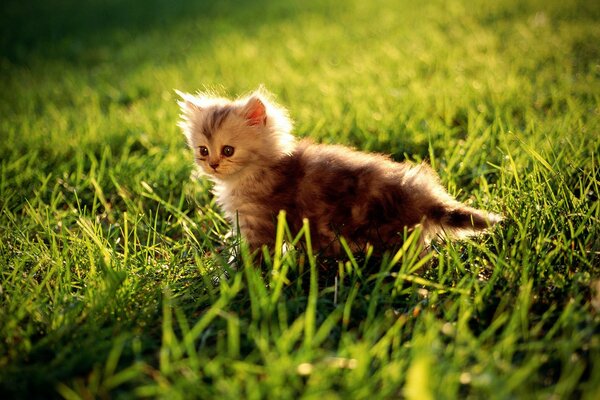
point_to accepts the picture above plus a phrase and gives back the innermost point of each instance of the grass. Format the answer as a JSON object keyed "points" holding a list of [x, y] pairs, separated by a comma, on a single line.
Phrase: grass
{"points": [[110, 282]]}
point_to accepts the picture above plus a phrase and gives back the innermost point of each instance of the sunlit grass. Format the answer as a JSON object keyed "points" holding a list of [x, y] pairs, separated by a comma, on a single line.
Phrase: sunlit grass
{"points": [[114, 263]]}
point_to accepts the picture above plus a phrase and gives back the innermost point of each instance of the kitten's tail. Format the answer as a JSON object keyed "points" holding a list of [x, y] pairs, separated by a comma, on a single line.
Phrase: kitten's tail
{"points": [[460, 221]]}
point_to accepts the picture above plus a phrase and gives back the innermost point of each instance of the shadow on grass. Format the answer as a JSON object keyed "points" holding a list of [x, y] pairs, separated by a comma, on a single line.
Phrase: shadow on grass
{"points": [[67, 29]]}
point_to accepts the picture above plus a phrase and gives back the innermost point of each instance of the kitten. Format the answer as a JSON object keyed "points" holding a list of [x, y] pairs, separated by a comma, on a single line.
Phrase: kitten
{"points": [[258, 168]]}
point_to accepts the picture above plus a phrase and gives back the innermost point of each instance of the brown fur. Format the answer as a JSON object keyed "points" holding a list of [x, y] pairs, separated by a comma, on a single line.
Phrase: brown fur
{"points": [[366, 198]]}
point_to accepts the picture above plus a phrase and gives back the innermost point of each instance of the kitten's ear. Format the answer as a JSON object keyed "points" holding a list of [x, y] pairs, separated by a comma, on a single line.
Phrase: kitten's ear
{"points": [[255, 112], [187, 103]]}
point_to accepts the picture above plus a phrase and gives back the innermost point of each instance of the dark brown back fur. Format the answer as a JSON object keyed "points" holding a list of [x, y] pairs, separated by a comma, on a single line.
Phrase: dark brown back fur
{"points": [[366, 198]]}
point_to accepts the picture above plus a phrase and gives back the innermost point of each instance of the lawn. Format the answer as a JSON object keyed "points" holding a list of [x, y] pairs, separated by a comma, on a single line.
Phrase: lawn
{"points": [[113, 282]]}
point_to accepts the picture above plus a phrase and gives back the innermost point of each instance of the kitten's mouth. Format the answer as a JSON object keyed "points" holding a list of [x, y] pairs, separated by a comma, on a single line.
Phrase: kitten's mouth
{"points": [[217, 173], [222, 175]]}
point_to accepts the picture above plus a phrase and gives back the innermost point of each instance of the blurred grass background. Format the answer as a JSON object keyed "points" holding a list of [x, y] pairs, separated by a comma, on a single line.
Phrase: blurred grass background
{"points": [[107, 246]]}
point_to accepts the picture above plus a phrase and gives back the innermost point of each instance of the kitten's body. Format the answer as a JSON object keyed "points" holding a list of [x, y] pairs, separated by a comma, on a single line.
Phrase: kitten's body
{"points": [[366, 198]]}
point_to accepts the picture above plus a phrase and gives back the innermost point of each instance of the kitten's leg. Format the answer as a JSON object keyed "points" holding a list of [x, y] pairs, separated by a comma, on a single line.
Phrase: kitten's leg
{"points": [[256, 233]]}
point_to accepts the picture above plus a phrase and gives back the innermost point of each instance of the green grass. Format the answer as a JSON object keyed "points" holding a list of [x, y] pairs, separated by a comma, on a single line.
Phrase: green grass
{"points": [[109, 273]]}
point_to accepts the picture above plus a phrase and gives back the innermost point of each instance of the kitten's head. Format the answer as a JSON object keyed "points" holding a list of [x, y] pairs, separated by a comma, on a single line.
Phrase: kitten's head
{"points": [[230, 137]]}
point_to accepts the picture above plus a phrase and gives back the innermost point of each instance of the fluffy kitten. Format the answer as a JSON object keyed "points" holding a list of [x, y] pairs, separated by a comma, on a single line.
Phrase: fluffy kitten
{"points": [[246, 147]]}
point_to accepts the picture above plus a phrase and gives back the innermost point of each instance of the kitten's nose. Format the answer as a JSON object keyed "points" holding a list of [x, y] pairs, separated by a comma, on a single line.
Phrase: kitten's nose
{"points": [[214, 165]]}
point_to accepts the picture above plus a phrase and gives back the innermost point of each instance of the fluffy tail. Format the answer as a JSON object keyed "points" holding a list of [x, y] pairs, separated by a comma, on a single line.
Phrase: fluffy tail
{"points": [[458, 220]]}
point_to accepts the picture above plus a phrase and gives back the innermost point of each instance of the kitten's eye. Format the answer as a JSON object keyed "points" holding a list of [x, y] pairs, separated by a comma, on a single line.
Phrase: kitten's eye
{"points": [[203, 151], [227, 151]]}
